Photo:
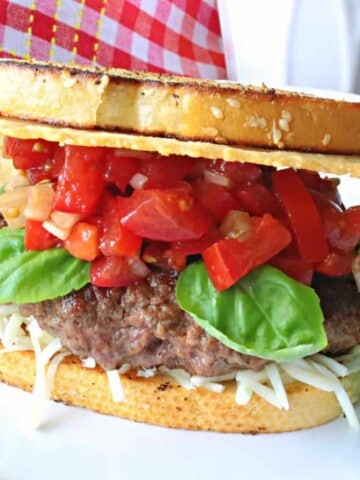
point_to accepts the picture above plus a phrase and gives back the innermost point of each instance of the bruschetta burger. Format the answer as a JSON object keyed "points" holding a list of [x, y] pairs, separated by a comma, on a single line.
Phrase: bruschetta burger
{"points": [[169, 252]]}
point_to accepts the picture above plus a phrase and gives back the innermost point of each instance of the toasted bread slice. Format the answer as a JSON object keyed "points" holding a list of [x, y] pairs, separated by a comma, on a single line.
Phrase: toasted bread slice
{"points": [[160, 400], [178, 107], [318, 162]]}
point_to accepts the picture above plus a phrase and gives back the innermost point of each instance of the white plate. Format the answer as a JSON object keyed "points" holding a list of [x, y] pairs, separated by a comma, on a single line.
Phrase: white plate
{"points": [[76, 444]]}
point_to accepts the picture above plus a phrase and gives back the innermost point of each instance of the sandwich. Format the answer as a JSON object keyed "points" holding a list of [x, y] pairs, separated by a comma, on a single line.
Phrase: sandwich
{"points": [[169, 252]]}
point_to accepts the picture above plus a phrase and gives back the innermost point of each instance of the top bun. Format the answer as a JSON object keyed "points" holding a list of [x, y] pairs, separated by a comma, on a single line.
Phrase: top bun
{"points": [[177, 107]]}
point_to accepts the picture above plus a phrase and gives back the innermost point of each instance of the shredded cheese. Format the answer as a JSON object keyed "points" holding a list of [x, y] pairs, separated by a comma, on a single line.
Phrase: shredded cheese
{"points": [[23, 333], [117, 391]]}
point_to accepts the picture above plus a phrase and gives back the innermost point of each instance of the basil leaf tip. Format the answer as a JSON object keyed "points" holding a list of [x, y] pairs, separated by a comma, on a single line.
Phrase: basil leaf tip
{"points": [[34, 276], [265, 314]]}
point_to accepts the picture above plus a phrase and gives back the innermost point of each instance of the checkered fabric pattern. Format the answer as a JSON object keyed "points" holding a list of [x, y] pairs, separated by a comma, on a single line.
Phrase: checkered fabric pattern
{"points": [[177, 36]]}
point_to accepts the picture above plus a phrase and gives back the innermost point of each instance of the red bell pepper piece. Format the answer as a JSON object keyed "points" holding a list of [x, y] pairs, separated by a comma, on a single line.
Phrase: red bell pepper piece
{"points": [[229, 260], [303, 214]]}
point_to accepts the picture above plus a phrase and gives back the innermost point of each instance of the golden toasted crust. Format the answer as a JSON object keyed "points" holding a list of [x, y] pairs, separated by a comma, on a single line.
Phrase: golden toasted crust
{"points": [[336, 164], [161, 401], [183, 108]]}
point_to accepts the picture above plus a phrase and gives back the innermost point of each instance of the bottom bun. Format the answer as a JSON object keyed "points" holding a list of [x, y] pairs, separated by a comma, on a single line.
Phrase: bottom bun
{"points": [[160, 400]]}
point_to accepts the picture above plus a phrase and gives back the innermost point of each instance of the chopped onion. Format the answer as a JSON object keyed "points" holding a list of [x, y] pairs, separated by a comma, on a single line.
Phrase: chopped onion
{"points": [[12, 205], [217, 178], [55, 230], [138, 180], [39, 202], [17, 181], [236, 225], [138, 267], [64, 220]]}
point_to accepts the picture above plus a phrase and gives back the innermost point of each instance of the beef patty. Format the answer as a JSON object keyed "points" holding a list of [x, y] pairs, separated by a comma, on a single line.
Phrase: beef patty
{"points": [[142, 325]]}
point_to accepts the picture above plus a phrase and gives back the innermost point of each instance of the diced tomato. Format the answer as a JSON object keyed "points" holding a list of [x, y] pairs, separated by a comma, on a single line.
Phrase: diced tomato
{"points": [[117, 240], [195, 247], [336, 264], [81, 181], [313, 181], [342, 228], [28, 153], [153, 253], [294, 267], [119, 170], [165, 172], [37, 238], [239, 173], [258, 200], [216, 199], [83, 241], [167, 215], [117, 271], [303, 215], [350, 235], [229, 260], [49, 170]]}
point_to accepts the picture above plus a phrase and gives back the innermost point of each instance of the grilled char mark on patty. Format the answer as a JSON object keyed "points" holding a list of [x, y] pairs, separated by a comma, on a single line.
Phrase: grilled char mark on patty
{"points": [[142, 325]]}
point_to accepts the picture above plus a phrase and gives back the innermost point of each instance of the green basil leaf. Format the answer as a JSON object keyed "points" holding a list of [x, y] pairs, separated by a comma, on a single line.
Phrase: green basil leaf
{"points": [[266, 314], [29, 277]]}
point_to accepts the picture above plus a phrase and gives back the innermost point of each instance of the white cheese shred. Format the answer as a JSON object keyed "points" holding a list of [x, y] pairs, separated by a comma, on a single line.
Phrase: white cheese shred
{"points": [[115, 385]]}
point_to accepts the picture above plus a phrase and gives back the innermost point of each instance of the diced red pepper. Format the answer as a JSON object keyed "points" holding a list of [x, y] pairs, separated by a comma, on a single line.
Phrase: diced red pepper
{"points": [[229, 260], [303, 214], [81, 181], [83, 241], [167, 215], [37, 238], [117, 271], [117, 240]]}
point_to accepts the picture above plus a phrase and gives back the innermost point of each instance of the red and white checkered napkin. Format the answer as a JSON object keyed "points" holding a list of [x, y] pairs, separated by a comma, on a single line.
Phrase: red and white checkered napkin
{"points": [[178, 36]]}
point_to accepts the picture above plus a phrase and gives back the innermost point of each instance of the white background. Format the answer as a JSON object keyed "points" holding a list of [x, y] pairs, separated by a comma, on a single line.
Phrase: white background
{"points": [[306, 43]]}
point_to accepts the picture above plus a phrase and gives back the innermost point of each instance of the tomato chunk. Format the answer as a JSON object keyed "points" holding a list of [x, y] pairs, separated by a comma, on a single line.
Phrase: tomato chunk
{"points": [[294, 267], [37, 238], [83, 241], [49, 169], [117, 240], [239, 173], [81, 181], [28, 153], [258, 200], [303, 214], [165, 172], [119, 170], [229, 260], [216, 199], [117, 271], [336, 264], [167, 215], [195, 247]]}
